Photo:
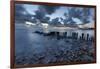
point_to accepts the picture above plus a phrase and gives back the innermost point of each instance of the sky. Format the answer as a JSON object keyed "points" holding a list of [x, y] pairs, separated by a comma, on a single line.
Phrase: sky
{"points": [[57, 13]]}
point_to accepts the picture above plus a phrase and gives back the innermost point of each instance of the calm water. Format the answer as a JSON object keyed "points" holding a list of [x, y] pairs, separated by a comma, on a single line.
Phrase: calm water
{"points": [[28, 44]]}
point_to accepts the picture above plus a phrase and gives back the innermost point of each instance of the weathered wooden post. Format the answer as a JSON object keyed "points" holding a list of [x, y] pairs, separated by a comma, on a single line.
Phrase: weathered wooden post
{"points": [[82, 36], [76, 37], [52, 34], [58, 37], [65, 34], [73, 35], [87, 37], [62, 35], [92, 39]]}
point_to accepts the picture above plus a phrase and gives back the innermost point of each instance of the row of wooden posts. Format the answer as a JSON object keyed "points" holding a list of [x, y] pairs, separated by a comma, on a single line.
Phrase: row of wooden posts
{"points": [[74, 35]]}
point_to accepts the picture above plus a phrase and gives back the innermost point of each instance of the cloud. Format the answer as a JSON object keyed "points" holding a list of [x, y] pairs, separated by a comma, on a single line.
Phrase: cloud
{"points": [[43, 11], [50, 9]]}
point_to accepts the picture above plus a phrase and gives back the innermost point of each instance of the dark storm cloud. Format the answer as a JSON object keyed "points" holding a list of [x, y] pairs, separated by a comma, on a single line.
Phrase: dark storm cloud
{"points": [[55, 21], [83, 14], [39, 14], [50, 9], [19, 9], [46, 19], [19, 15], [43, 11]]}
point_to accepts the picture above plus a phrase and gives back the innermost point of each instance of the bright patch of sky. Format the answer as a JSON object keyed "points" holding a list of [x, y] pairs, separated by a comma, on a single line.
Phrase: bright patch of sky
{"points": [[31, 8], [76, 20]]}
